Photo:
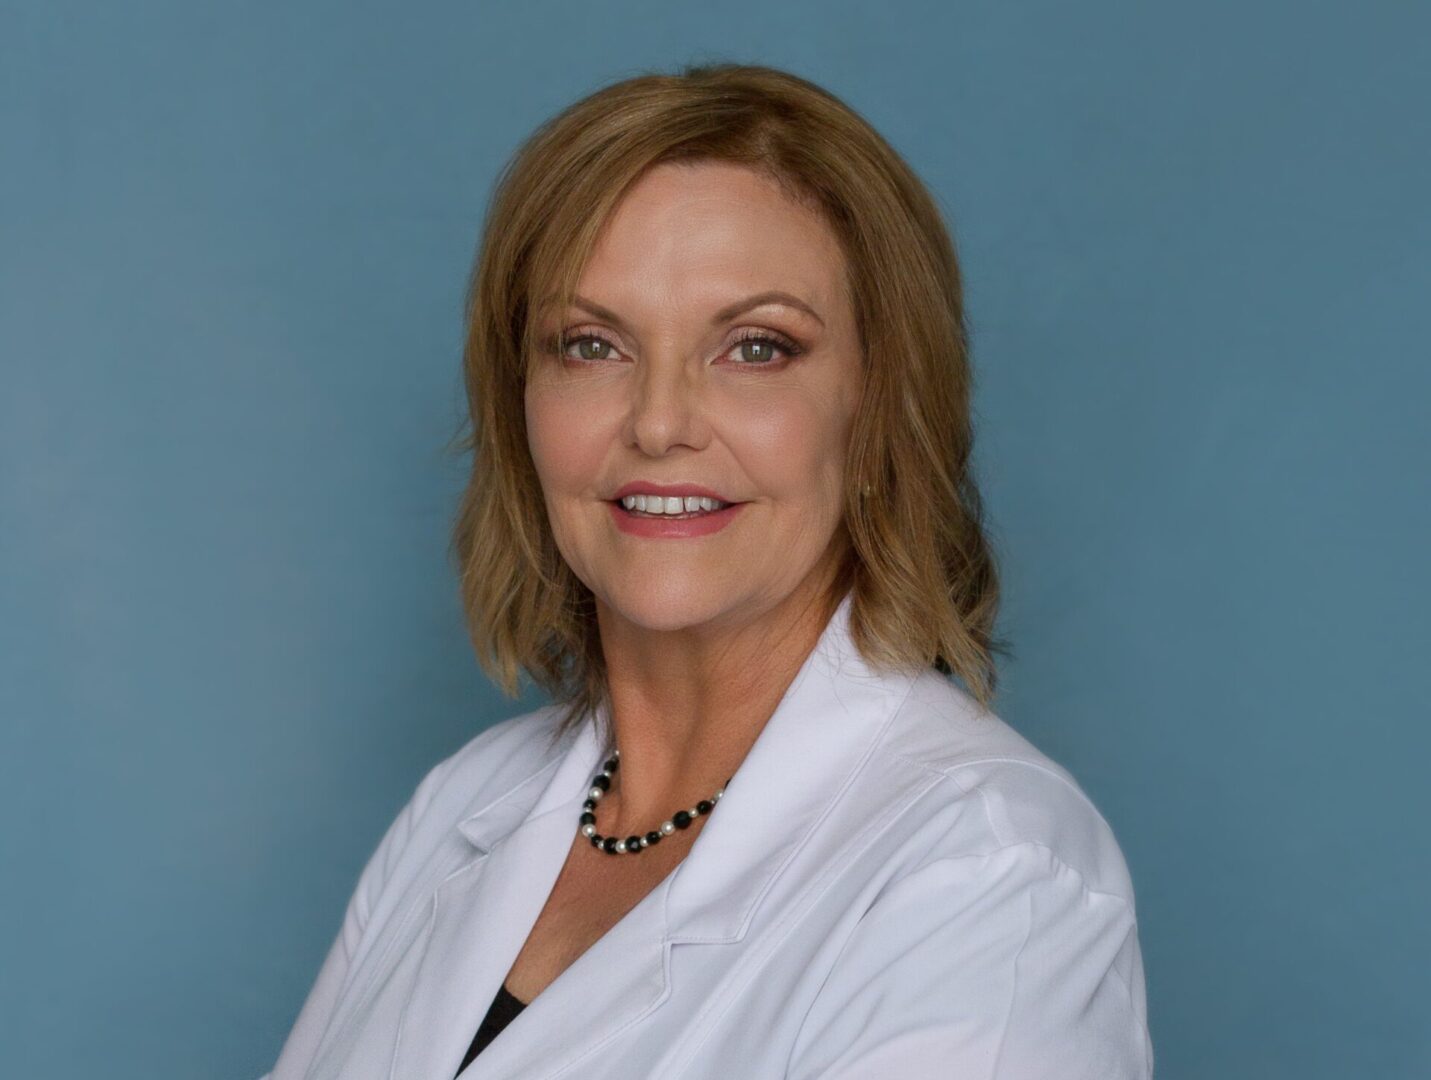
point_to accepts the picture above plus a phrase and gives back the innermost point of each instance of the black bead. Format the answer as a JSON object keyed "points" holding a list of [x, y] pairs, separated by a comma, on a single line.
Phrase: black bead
{"points": [[681, 819], [633, 843], [609, 845], [588, 818], [603, 782], [653, 837], [611, 764], [705, 806], [589, 804], [596, 839]]}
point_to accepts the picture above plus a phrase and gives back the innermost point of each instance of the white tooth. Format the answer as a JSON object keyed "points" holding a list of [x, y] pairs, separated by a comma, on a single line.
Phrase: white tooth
{"points": [[674, 504], [629, 501], [641, 503], [692, 503], [707, 504]]}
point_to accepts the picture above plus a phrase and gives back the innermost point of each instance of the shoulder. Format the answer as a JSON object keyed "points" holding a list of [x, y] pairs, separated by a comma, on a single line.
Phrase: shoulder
{"points": [[997, 922], [500, 758], [987, 789]]}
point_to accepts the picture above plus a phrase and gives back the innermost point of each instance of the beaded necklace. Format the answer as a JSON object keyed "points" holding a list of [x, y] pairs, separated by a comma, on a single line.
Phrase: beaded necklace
{"points": [[601, 784]]}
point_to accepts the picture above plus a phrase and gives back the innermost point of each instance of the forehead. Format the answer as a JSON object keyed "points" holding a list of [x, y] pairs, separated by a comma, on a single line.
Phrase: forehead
{"points": [[696, 233]]}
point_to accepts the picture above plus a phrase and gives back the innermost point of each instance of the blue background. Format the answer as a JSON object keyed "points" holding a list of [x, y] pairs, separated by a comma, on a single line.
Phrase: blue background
{"points": [[233, 243]]}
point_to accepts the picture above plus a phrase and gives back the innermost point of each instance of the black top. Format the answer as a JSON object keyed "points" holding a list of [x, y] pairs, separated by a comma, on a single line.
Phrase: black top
{"points": [[504, 1009]]}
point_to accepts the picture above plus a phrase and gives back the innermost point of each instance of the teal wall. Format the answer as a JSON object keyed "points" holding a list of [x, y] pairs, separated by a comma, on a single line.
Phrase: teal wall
{"points": [[233, 240]]}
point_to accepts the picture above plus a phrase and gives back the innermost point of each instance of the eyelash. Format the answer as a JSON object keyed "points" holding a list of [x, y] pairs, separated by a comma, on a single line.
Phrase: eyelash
{"points": [[564, 340]]}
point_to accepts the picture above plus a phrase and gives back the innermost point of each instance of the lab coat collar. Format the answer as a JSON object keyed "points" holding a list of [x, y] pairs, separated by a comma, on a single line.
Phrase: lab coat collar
{"points": [[801, 763]]}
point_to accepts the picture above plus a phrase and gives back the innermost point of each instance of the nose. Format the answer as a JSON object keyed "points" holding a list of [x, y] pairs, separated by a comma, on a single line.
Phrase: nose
{"points": [[665, 408]]}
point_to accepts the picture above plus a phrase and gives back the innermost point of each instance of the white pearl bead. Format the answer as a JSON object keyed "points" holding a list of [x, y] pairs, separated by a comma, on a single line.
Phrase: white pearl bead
{"points": [[595, 793], [667, 828], [621, 845], [588, 830]]}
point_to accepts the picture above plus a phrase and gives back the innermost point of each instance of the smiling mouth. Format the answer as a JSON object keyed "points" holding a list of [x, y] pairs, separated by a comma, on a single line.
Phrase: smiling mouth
{"points": [[670, 507]]}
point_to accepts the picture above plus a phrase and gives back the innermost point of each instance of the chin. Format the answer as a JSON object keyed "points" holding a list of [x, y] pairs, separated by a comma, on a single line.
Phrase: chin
{"points": [[669, 607]]}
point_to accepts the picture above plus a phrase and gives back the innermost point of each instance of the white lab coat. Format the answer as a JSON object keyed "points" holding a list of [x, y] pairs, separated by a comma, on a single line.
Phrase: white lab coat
{"points": [[895, 884]]}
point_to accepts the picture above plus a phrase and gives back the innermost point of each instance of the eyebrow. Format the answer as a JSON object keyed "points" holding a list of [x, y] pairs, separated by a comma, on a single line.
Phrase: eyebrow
{"points": [[730, 311]]}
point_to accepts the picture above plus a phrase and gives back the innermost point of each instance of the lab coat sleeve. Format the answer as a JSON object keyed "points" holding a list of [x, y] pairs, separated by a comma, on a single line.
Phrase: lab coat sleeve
{"points": [[317, 1009], [997, 966]]}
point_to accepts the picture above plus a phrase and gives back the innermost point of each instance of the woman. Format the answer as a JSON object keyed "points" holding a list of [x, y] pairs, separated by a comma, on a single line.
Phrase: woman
{"points": [[721, 509]]}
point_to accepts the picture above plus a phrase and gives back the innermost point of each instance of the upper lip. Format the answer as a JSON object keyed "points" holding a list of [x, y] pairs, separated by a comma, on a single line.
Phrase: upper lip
{"points": [[646, 487]]}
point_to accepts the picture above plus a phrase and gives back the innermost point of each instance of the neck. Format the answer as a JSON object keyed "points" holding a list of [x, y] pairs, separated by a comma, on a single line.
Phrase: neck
{"points": [[687, 706]]}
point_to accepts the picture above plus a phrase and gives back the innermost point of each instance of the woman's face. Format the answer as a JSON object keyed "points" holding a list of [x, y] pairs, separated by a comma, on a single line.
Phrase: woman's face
{"points": [[683, 374]]}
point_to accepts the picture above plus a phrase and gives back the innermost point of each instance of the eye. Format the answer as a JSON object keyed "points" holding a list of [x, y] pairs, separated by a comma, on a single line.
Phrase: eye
{"points": [[756, 348], [590, 347]]}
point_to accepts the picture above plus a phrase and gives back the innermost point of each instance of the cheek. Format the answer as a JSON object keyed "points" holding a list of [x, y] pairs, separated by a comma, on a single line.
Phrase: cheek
{"points": [[794, 447], [562, 437]]}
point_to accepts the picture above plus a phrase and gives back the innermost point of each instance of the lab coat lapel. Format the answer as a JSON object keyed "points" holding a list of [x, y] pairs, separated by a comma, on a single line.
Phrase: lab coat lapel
{"points": [[618, 980], [802, 762], [482, 912]]}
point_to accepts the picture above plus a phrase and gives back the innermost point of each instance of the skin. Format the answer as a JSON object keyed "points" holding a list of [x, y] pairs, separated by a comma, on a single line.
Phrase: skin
{"points": [[701, 636]]}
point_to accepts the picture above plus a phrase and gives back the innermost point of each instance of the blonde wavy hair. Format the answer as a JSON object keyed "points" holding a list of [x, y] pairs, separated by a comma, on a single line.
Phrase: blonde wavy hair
{"points": [[922, 570]]}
